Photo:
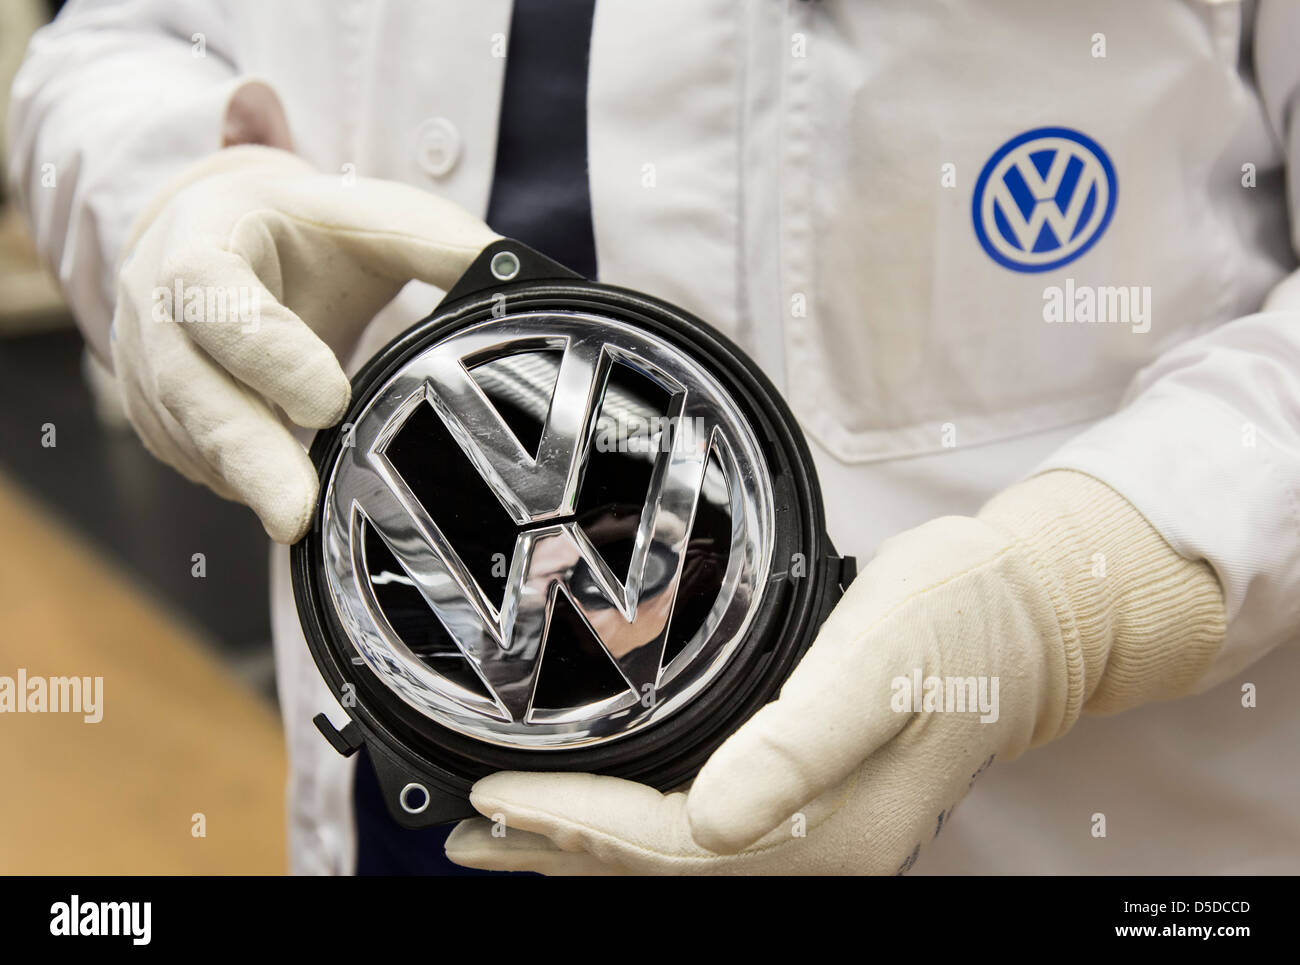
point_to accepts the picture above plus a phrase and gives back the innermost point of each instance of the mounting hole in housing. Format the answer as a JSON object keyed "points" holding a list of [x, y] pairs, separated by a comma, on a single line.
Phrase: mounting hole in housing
{"points": [[504, 265], [414, 798]]}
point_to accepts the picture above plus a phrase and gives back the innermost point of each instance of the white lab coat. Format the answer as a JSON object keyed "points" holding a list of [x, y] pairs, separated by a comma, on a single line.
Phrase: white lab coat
{"points": [[801, 174]]}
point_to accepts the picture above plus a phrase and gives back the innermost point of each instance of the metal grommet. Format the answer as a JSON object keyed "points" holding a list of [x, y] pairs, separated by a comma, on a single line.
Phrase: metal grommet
{"points": [[504, 265], [404, 798]]}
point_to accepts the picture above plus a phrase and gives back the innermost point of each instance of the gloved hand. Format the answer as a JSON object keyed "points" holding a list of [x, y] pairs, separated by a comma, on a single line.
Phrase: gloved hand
{"points": [[1059, 591], [245, 283]]}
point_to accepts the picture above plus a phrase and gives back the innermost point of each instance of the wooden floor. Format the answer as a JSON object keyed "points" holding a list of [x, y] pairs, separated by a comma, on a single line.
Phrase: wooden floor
{"points": [[180, 736]]}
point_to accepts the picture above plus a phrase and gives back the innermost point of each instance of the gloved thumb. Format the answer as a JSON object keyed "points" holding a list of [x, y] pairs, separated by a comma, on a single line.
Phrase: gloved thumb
{"points": [[392, 231], [837, 708], [832, 713]]}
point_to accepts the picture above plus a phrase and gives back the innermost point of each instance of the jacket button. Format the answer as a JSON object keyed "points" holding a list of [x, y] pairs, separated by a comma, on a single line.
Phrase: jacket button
{"points": [[437, 146]]}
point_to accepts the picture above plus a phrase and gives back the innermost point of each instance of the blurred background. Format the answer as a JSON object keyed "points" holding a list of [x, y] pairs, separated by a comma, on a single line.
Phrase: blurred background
{"points": [[113, 565]]}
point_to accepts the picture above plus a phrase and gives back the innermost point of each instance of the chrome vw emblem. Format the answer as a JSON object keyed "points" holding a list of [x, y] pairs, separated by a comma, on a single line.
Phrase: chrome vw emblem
{"points": [[531, 430], [1043, 199]]}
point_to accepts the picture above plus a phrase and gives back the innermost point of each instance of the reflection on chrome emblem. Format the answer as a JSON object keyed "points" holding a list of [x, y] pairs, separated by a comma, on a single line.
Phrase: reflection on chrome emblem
{"points": [[515, 580]]}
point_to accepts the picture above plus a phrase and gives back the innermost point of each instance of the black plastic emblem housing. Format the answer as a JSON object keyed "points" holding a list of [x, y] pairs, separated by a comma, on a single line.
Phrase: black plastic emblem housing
{"points": [[426, 770]]}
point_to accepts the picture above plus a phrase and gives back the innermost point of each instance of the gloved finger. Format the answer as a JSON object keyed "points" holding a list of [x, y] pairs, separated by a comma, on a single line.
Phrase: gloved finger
{"points": [[616, 821], [473, 844], [259, 341], [193, 467], [241, 441], [158, 432], [160, 443]]}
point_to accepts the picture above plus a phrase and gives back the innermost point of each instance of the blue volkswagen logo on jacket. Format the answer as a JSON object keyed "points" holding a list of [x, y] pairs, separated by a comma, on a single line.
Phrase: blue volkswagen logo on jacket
{"points": [[1043, 199]]}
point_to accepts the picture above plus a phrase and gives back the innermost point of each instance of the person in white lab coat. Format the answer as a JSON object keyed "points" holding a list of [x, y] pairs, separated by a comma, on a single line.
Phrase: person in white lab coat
{"points": [[1023, 272]]}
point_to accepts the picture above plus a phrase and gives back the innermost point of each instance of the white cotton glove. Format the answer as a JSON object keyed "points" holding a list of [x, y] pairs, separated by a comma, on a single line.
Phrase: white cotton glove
{"points": [[303, 261], [1059, 590]]}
